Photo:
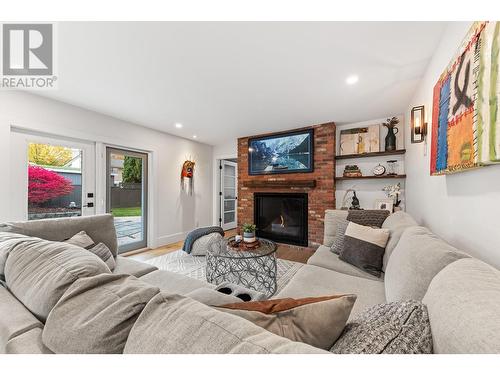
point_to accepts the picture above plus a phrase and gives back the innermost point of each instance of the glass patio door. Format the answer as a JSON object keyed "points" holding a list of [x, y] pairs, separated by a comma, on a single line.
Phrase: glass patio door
{"points": [[127, 196], [228, 194]]}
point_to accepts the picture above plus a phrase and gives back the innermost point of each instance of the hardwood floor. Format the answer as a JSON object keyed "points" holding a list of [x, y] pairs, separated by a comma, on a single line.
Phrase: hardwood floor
{"points": [[296, 254]]}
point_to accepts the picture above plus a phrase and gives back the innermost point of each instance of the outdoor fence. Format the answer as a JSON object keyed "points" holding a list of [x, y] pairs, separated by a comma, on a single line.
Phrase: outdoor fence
{"points": [[126, 195]]}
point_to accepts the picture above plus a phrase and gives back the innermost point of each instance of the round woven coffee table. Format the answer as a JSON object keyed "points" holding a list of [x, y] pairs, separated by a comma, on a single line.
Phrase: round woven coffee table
{"points": [[254, 269]]}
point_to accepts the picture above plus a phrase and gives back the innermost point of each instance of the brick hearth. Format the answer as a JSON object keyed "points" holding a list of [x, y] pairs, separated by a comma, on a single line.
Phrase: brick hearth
{"points": [[321, 197]]}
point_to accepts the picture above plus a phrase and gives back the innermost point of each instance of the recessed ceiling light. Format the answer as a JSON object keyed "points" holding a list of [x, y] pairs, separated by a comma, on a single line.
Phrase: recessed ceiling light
{"points": [[195, 136], [178, 125], [351, 80]]}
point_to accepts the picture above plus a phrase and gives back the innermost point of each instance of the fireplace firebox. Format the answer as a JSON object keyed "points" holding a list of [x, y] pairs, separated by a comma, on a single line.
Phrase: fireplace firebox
{"points": [[282, 217]]}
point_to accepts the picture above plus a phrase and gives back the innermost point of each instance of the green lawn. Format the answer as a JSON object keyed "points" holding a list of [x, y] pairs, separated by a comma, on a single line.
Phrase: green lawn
{"points": [[127, 211]]}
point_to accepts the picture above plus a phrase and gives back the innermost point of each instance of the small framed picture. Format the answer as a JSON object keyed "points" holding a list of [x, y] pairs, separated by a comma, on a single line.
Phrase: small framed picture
{"points": [[384, 204]]}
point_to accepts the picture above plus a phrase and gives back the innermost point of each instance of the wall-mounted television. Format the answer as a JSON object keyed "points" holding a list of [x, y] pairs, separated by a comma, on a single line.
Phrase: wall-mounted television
{"points": [[291, 152]]}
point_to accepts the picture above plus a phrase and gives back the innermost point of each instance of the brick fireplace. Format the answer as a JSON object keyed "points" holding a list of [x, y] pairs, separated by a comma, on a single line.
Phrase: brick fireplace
{"points": [[319, 185]]}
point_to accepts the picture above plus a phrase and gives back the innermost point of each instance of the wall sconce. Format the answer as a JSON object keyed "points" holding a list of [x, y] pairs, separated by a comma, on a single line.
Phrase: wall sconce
{"points": [[418, 124]]}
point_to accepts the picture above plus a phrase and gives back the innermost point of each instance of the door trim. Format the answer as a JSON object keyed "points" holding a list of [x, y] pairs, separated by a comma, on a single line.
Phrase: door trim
{"points": [[221, 194]]}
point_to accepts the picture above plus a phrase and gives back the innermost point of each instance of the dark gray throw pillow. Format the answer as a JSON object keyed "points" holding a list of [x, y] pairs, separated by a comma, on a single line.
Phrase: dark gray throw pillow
{"points": [[364, 247], [338, 242], [391, 328], [370, 218]]}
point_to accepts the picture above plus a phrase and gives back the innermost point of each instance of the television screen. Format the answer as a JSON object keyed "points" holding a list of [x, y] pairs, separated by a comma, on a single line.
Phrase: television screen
{"points": [[282, 153]]}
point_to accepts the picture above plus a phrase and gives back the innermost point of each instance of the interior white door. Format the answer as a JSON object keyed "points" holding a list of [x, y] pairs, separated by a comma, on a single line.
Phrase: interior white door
{"points": [[51, 177], [228, 194]]}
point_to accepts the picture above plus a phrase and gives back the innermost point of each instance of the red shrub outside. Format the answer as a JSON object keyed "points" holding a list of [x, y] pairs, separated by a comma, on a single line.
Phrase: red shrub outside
{"points": [[44, 185]]}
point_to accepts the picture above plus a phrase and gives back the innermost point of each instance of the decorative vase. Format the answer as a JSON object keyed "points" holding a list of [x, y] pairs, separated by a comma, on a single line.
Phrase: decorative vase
{"points": [[249, 236], [390, 138]]}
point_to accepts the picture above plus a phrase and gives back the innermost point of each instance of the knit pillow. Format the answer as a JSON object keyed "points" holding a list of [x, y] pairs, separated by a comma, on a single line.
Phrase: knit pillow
{"points": [[390, 328], [202, 244], [369, 218], [338, 242]]}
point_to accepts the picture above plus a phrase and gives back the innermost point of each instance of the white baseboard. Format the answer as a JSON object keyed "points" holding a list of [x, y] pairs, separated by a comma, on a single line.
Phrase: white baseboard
{"points": [[168, 239]]}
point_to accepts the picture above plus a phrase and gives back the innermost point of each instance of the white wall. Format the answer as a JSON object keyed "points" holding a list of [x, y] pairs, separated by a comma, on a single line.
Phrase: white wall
{"points": [[368, 191], [173, 213], [462, 208], [226, 150]]}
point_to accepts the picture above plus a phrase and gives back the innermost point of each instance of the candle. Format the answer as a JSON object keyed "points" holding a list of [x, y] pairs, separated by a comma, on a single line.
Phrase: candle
{"points": [[417, 125]]}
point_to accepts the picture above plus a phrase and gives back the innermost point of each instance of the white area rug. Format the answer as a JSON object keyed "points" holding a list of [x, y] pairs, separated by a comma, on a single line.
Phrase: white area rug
{"points": [[195, 267]]}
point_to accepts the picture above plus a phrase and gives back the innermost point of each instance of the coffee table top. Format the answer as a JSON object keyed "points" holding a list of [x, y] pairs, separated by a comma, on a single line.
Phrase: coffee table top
{"points": [[221, 249]]}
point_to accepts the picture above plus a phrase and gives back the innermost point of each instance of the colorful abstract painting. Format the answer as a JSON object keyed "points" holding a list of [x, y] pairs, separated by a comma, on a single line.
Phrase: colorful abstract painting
{"points": [[465, 120]]}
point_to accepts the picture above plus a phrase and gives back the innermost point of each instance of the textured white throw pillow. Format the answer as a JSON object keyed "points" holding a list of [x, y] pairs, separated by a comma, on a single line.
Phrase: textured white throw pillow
{"points": [[201, 245]]}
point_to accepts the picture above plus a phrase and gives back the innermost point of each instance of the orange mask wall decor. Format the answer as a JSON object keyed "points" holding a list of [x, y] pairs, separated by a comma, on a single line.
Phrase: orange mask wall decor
{"points": [[188, 173]]}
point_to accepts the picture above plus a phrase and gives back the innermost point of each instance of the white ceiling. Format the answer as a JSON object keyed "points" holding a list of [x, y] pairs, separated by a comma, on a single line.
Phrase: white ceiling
{"points": [[225, 80]]}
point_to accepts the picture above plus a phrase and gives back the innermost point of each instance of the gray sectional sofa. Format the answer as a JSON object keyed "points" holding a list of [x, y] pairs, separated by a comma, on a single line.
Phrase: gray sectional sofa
{"points": [[462, 294]]}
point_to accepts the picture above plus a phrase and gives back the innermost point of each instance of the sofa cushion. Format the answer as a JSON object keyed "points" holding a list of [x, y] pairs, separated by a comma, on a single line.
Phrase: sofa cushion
{"points": [[364, 247], [317, 321], [170, 282], [173, 324], [38, 272], [126, 266], [396, 223], [29, 342], [96, 314], [398, 219], [100, 228], [464, 308], [313, 281], [417, 258], [323, 257], [389, 328], [331, 221], [15, 319]]}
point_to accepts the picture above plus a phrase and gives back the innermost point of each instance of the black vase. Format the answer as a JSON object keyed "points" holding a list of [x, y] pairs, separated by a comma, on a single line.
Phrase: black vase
{"points": [[390, 138]]}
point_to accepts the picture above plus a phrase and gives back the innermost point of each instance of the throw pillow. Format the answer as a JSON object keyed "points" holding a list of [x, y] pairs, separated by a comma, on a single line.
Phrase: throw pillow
{"points": [[82, 239], [103, 252], [317, 321], [389, 328], [338, 242], [201, 245], [174, 324], [364, 247], [369, 218], [38, 272]]}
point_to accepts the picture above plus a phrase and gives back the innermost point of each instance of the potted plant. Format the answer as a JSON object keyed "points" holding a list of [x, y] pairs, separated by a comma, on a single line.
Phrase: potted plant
{"points": [[249, 232]]}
